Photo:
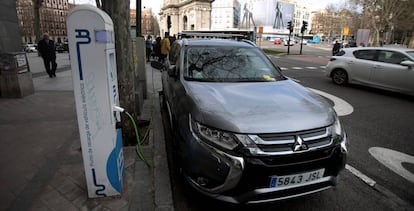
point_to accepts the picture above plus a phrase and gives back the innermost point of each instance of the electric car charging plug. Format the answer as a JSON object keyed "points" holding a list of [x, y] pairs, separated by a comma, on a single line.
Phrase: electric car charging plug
{"points": [[117, 108]]}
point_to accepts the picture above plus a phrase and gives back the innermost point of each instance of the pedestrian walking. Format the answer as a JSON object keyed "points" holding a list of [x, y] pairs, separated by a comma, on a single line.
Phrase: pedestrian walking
{"points": [[336, 48], [46, 48], [157, 48], [148, 44], [165, 46]]}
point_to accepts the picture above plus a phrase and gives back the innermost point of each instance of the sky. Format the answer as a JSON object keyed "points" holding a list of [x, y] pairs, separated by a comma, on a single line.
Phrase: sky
{"points": [[155, 5]]}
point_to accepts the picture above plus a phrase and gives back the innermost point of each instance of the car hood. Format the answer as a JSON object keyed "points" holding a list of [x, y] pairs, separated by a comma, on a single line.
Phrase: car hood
{"points": [[261, 107]]}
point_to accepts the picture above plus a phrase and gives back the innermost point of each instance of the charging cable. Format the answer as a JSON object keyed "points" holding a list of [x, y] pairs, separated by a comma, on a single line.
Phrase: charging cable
{"points": [[138, 147]]}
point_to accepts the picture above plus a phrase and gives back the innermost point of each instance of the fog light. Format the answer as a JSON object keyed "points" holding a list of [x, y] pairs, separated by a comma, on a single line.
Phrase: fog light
{"points": [[202, 181]]}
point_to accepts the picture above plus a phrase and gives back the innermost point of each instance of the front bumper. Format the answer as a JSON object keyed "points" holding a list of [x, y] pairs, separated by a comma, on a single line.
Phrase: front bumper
{"points": [[245, 180]]}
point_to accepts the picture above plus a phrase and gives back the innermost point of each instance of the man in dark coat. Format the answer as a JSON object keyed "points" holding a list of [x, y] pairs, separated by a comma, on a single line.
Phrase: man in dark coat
{"points": [[336, 48], [46, 48]]}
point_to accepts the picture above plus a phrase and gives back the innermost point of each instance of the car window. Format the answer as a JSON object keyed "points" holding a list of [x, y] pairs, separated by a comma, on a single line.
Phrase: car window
{"points": [[410, 53], [227, 63], [391, 57], [365, 54]]}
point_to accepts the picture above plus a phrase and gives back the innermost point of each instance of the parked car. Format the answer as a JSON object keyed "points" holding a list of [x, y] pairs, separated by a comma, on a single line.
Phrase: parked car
{"points": [[59, 47], [277, 41], [30, 48], [304, 42], [287, 42], [245, 133], [384, 68]]}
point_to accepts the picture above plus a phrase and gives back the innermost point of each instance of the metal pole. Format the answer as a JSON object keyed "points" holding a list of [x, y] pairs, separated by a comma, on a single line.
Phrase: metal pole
{"points": [[289, 42], [301, 44]]}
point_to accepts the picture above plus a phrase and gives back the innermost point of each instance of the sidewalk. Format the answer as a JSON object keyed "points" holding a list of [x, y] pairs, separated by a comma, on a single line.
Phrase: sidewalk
{"points": [[41, 166]]}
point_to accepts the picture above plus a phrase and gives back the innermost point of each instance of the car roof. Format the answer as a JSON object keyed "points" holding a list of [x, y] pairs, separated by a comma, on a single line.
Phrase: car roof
{"points": [[216, 42], [379, 48]]}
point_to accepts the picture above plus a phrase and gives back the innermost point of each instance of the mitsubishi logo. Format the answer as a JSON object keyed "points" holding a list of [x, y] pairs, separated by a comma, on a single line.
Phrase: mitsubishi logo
{"points": [[299, 145]]}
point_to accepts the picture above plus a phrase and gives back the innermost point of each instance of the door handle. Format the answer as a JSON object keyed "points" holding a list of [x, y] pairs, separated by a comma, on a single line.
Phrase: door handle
{"points": [[377, 66]]}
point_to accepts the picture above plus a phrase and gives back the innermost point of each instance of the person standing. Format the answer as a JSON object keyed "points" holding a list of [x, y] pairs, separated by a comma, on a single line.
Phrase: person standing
{"points": [[157, 48], [46, 48], [336, 48], [165, 47], [148, 44]]}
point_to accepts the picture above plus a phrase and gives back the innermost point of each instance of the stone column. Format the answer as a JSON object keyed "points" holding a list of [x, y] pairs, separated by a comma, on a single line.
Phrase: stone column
{"points": [[15, 78]]}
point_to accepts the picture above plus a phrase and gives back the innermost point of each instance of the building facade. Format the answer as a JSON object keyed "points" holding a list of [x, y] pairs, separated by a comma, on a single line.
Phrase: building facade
{"points": [[302, 13], [225, 14], [149, 23], [53, 14], [185, 15]]}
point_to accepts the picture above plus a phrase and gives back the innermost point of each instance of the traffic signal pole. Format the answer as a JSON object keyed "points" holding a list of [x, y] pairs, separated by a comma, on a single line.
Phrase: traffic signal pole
{"points": [[302, 30], [301, 44], [290, 27]]}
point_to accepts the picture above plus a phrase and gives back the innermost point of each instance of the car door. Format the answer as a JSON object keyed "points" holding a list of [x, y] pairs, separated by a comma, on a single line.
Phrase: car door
{"points": [[174, 79], [390, 74], [169, 79], [362, 65]]}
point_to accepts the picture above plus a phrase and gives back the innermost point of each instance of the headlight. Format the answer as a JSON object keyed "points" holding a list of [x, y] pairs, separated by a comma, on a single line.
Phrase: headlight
{"points": [[339, 134], [337, 128], [212, 136]]}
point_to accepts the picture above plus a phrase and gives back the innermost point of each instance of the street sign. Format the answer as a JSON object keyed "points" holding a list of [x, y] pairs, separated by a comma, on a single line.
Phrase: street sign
{"points": [[260, 29], [345, 31]]}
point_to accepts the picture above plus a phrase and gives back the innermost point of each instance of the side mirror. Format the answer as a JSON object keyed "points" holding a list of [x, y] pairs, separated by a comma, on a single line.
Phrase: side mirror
{"points": [[409, 64], [157, 65], [172, 71]]}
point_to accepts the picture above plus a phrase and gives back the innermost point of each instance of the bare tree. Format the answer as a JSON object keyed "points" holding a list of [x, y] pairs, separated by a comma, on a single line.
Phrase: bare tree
{"points": [[119, 12], [384, 17]]}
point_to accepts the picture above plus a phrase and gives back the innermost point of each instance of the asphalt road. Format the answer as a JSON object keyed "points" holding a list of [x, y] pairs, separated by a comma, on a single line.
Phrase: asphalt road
{"points": [[379, 119]]}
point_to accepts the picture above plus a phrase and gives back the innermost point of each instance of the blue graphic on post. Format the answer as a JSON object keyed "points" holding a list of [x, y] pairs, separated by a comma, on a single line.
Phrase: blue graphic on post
{"points": [[81, 33], [115, 164]]}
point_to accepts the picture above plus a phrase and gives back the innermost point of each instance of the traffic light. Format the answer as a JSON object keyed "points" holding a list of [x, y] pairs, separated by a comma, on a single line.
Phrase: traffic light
{"points": [[290, 27], [168, 22], [304, 26]]}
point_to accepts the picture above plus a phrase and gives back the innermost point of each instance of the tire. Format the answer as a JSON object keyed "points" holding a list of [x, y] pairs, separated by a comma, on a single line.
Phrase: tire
{"points": [[339, 77]]}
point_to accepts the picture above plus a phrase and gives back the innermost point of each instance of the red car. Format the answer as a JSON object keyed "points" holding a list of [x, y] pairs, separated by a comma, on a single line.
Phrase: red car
{"points": [[277, 41]]}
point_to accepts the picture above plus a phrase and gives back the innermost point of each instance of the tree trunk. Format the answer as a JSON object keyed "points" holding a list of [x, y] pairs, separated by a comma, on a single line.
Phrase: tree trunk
{"points": [[411, 44], [119, 12], [36, 24]]}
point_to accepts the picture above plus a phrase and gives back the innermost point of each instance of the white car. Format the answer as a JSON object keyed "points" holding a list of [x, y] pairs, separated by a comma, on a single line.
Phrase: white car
{"points": [[30, 48], [385, 68], [285, 42]]}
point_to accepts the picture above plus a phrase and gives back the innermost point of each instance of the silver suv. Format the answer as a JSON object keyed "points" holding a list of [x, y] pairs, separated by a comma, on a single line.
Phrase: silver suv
{"points": [[244, 133]]}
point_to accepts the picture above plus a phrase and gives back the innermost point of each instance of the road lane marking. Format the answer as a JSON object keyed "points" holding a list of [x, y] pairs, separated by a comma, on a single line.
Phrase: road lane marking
{"points": [[311, 68], [297, 68], [283, 68], [341, 107], [393, 160], [360, 175]]}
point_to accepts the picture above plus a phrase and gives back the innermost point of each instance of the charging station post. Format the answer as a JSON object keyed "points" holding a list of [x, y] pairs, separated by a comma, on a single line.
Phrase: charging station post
{"points": [[95, 84]]}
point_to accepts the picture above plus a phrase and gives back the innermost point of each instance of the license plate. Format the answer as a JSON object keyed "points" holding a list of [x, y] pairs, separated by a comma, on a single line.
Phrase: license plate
{"points": [[295, 179]]}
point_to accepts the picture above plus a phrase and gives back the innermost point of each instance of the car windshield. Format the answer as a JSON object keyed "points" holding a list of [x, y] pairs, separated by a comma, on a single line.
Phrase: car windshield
{"points": [[228, 64]]}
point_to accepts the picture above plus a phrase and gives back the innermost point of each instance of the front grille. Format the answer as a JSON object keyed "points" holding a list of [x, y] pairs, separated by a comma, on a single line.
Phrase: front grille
{"points": [[284, 143], [258, 170]]}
